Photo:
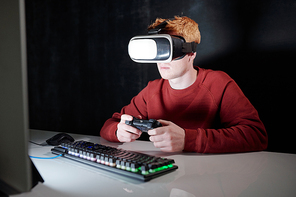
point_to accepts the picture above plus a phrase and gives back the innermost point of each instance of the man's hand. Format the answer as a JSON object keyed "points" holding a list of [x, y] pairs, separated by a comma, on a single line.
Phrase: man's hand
{"points": [[169, 138], [127, 133]]}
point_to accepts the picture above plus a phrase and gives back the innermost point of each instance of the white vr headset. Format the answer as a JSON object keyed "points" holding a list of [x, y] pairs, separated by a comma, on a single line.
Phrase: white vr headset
{"points": [[159, 47]]}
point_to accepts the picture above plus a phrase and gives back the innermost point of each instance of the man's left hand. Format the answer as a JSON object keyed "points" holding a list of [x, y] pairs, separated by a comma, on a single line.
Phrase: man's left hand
{"points": [[169, 138]]}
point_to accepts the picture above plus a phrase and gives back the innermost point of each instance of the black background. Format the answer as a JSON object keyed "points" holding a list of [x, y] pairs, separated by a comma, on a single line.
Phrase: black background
{"points": [[80, 72]]}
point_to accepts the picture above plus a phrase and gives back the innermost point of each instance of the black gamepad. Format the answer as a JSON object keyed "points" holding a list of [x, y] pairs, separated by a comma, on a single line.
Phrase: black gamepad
{"points": [[143, 125]]}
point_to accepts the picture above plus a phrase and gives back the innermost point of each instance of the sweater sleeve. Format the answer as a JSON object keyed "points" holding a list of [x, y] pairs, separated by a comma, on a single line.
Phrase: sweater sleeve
{"points": [[241, 130]]}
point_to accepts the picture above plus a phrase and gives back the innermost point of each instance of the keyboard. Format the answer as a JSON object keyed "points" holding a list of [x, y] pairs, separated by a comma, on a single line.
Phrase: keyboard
{"points": [[130, 164]]}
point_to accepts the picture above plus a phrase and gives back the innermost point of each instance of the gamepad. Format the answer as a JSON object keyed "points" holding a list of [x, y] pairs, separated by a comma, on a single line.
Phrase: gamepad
{"points": [[143, 125]]}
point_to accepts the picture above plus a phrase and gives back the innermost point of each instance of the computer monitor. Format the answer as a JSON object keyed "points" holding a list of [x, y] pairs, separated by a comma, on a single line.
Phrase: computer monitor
{"points": [[17, 172]]}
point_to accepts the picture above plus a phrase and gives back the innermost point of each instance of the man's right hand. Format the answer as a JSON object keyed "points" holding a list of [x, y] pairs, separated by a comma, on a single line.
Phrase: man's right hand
{"points": [[127, 133]]}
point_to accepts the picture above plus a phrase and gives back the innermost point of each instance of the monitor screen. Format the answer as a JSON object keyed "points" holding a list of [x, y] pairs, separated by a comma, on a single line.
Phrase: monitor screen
{"points": [[16, 167]]}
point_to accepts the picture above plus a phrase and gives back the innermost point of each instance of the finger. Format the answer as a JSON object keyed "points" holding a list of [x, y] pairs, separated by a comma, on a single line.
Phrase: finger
{"points": [[156, 138], [132, 130], [156, 131], [124, 139], [160, 145], [125, 117], [165, 147], [128, 128], [126, 134]]}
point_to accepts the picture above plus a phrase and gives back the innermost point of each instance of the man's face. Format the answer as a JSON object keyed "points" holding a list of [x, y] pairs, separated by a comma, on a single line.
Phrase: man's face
{"points": [[176, 68]]}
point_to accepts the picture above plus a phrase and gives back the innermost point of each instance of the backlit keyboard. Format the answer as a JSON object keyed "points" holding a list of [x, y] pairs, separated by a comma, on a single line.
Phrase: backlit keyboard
{"points": [[127, 163]]}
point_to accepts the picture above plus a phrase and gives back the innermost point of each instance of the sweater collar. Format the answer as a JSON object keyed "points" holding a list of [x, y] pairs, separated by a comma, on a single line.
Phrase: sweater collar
{"points": [[188, 89]]}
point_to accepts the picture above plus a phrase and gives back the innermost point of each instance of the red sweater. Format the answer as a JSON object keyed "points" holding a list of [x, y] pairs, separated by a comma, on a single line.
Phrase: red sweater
{"points": [[214, 112]]}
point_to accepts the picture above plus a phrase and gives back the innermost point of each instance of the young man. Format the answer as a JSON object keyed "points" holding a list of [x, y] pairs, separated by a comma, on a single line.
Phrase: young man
{"points": [[201, 110]]}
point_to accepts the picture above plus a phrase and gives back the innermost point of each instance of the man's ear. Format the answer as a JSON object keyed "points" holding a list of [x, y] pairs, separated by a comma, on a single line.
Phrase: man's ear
{"points": [[191, 56]]}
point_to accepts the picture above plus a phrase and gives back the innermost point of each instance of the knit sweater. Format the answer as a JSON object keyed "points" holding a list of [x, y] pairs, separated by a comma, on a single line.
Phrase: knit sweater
{"points": [[215, 114]]}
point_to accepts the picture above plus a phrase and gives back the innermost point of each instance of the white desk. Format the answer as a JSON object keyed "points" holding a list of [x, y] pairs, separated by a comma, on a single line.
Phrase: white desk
{"points": [[245, 174]]}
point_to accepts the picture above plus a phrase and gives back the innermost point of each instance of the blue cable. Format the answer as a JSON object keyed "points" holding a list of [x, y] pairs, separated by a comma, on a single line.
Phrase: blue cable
{"points": [[46, 157]]}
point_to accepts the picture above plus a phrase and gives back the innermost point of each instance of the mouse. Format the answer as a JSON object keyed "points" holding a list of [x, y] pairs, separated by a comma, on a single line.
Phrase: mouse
{"points": [[59, 138]]}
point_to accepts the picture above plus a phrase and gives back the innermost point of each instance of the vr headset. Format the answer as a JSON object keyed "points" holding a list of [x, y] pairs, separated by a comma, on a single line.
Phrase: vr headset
{"points": [[154, 47]]}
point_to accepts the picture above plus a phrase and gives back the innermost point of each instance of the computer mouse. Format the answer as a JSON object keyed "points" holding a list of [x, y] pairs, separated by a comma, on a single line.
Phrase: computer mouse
{"points": [[59, 138]]}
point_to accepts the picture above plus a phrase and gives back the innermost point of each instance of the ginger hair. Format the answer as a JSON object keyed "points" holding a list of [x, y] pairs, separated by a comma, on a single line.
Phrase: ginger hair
{"points": [[181, 26]]}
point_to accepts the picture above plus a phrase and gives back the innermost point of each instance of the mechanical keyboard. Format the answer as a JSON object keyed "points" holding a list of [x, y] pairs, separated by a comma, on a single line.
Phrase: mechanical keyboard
{"points": [[132, 164]]}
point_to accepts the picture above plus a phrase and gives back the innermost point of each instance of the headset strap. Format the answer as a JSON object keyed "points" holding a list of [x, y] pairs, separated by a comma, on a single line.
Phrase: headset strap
{"points": [[189, 47], [159, 27]]}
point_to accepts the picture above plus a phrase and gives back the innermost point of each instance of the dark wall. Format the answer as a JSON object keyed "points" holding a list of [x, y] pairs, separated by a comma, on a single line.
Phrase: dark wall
{"points": [[80, 72]]}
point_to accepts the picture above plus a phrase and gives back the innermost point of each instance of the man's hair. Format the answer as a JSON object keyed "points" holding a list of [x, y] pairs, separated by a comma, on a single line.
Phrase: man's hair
{"points": [[181, 26]]}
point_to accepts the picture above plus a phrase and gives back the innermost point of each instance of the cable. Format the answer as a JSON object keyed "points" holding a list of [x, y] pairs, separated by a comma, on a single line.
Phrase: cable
{"points": [[46, 157]]}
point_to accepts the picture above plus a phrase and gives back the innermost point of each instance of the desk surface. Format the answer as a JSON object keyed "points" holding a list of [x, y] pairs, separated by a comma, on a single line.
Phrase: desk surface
{"points": [[244, 174]]}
